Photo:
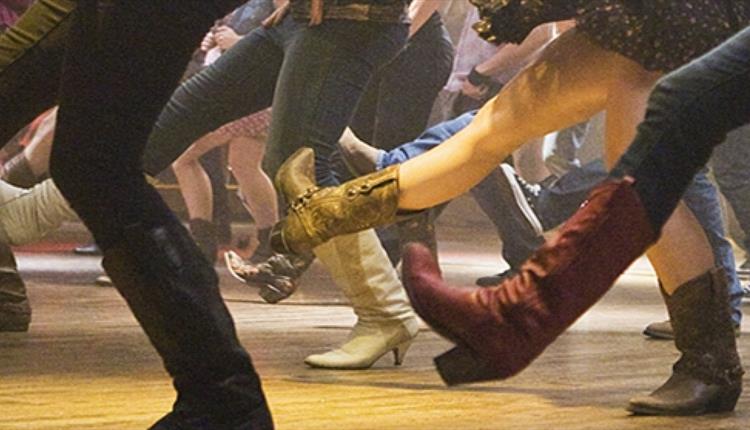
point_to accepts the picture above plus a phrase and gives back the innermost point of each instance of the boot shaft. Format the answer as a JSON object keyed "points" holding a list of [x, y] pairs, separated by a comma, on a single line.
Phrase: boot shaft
{"points": [[174, 295], [704, 333]]}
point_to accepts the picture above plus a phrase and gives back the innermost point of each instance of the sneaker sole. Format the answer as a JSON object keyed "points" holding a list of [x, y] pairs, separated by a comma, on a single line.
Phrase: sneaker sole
{"points": [[520, 198]]}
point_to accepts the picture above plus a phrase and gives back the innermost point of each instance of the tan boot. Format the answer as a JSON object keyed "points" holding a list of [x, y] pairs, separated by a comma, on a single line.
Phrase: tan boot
{"points": [[385, 320], [317, 214]]}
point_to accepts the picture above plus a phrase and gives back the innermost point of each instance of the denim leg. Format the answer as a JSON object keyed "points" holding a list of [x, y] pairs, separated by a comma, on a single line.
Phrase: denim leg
{"points": [[731, 166], [324, 73], [409, 85], [495, 198], [238, 83], [560, 149], [31, 57], [429, 139], [558, 201], [689, 113], [702, 199]]}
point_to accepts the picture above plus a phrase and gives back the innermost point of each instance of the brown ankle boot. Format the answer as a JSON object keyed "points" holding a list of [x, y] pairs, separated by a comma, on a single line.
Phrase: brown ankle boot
{"points": [[708, 376], [205, 235], [500, 330], [315, 214]]}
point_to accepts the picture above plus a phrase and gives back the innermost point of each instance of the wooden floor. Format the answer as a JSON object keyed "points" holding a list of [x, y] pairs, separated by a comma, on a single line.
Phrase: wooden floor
{"points": [[86, 365]]}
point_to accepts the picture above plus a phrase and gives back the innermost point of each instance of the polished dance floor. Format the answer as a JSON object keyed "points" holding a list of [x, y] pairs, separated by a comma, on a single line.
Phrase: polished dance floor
{"points": [[86, 365]]}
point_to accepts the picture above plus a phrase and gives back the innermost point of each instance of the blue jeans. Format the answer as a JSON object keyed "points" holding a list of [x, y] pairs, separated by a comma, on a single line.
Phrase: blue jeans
{"points": [[731, 166], [398, 99], [313, 76], [559, 201]]}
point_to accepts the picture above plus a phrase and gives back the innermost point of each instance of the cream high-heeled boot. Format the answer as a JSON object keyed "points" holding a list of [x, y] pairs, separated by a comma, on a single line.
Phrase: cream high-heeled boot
{"points": [[385, 319]]}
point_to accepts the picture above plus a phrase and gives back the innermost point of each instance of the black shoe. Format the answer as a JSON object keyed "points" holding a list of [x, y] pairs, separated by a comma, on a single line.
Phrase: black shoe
{"points": [[90, 249], [494, 280], [204, 234], [276, 278], [259, 420], [662, 330], [525, 196], [263, 251]]}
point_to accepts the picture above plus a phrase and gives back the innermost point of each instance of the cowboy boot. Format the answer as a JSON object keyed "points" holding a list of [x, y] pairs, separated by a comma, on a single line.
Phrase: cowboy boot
{"points": [[500, 330], [360, 267], [276, 278], [263, 251], [316, 214], [174, 295], [15, 312], [206, 237], [708, 376], [385, 320]]}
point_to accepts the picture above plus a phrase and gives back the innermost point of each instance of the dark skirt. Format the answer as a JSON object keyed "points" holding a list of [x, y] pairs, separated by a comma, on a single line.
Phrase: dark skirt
{"points": [[661, 35]]}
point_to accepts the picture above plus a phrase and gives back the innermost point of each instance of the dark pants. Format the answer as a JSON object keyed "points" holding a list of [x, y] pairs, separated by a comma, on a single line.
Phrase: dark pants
{"points": [[396, 106], [731, 166], [398, 99], [115, 80], [318, 74]]}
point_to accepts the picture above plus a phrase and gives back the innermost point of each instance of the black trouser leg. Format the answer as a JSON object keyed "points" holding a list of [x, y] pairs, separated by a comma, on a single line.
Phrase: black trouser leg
{"points": [[116, 78]]}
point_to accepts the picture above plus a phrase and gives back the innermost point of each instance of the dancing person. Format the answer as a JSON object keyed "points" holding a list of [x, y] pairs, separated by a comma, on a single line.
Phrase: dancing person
{"points": [[245, 139], [610, 61], [521, 213], [315, 65], [115, 79], [314, 77]]}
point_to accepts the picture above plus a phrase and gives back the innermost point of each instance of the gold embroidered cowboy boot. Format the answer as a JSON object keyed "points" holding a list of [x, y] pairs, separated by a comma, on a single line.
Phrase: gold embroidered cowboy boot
{"points": [[317, 214]]}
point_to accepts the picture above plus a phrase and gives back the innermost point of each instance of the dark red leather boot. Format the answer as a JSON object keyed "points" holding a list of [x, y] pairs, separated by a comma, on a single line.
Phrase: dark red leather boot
{"points": [[500, 330]]}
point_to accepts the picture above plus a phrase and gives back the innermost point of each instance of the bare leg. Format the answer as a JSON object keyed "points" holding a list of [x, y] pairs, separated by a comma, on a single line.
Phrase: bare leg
{"points": [[193, 180], [625, 110], [245, 159], [567, 84], [38, 150]]}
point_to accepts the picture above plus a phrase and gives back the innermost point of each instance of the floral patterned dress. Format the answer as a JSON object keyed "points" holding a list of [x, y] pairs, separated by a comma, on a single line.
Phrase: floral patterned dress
{"points": [[660, 35]]}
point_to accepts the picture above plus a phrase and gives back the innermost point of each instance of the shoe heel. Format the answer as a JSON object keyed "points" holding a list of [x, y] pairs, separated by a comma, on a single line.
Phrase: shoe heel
{"points": [[461, 366], [399, 352], [271, 294], [725, 401]]}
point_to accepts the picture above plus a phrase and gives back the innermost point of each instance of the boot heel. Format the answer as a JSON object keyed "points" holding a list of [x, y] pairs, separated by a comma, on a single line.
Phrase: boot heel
{"points": [[271, 294], [725, 401], [399, 352], [461, 366]]}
